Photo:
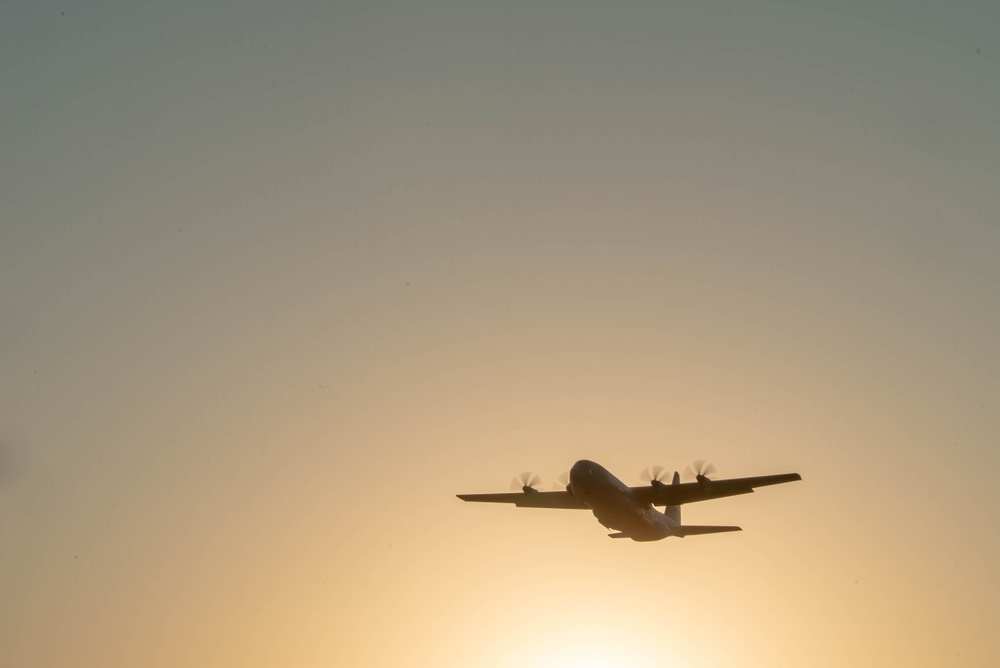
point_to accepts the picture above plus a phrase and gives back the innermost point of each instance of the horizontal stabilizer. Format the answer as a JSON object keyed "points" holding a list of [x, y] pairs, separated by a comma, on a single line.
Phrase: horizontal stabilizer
{"points": [[618, 535], [698, 530]]}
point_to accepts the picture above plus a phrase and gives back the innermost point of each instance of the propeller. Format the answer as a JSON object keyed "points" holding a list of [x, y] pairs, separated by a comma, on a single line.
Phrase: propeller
{"points": [[654, 474], [562, 482], [700, 470], [526, 482]]}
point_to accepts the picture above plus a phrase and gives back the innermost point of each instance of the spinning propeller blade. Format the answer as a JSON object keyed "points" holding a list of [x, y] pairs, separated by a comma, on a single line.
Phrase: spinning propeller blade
{"points": [[526, 481], [562, 482], [653, 474], [700, 470]]}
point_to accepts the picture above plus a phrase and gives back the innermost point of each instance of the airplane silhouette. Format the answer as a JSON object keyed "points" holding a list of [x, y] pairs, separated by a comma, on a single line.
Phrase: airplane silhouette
{"points": [[629, 511]]}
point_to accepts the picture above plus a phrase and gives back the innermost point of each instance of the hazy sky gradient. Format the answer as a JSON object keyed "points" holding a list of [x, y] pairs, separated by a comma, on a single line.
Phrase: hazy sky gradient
{"points": [[277, 280]]}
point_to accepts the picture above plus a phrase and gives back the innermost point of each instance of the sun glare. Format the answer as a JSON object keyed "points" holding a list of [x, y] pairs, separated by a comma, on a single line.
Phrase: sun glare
{"points": [[593, 655]]}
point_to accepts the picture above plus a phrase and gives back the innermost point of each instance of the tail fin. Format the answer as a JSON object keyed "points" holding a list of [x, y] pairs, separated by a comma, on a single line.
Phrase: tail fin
{"points": [[674, 512]]}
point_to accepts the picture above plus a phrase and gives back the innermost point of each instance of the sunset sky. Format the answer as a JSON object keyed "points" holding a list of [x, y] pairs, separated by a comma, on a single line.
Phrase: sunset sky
{"points": [[279, 279]]}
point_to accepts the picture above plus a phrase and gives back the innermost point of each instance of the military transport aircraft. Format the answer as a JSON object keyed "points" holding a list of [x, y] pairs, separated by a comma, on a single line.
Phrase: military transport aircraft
{"points": [[628, 510]]}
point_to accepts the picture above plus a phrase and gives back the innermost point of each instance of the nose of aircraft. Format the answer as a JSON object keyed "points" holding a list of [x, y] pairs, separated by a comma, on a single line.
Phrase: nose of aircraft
{"points": [[579, 475]]}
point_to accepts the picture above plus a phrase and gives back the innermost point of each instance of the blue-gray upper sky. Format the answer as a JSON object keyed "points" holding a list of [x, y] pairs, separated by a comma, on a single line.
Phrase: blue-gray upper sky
{"points": [[278, 279]]}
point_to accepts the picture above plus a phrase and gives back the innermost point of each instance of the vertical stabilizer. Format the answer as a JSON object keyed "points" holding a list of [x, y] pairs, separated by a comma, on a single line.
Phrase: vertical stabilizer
{"points": [[674, 512]]}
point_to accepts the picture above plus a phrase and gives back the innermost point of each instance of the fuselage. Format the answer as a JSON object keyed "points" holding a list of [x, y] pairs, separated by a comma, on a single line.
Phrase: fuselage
{"points": [[615, 505]]}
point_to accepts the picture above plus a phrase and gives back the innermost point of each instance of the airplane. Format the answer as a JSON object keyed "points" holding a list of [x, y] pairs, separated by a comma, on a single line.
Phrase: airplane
{"points": [[629, 511]]}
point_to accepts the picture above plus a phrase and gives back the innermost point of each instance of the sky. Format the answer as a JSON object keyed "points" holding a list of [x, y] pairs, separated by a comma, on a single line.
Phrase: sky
{"points": [[278, 280]]}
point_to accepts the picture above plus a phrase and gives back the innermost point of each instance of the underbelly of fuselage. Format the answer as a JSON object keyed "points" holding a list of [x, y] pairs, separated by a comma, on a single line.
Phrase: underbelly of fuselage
{"points": [[637, 522], [614, 504]]}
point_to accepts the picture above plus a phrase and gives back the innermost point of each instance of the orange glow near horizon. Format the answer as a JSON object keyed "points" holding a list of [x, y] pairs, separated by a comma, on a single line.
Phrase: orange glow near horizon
{"points": [[278, 280]]}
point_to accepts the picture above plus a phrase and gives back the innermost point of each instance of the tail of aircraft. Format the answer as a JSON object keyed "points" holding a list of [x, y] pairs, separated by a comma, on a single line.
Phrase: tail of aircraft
{"points": [[674, 512], [680, 532]]}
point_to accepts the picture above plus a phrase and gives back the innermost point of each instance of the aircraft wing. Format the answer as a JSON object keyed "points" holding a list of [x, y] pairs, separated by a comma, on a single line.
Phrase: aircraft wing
{"points": [[689, 492], [529, 499]]}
